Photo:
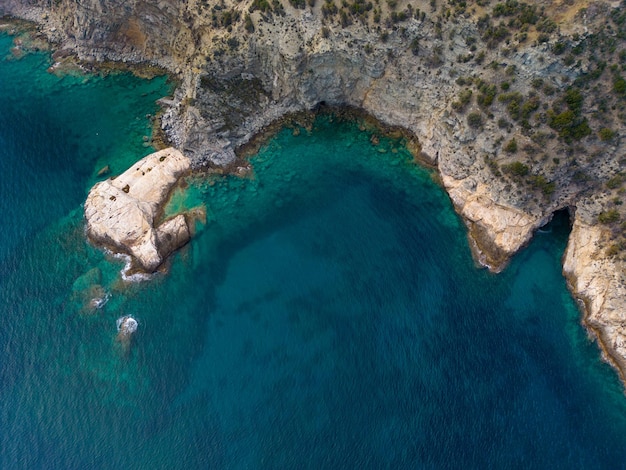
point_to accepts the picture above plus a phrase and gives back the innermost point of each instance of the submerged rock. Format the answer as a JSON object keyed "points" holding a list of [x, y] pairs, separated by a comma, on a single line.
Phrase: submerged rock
{"points": [[105, 170], [126, 326], [121, 212], [88, 295]]}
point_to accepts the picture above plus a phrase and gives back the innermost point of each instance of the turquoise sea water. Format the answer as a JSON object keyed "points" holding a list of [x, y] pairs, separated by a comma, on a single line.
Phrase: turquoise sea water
{"points": [[327, 315]]}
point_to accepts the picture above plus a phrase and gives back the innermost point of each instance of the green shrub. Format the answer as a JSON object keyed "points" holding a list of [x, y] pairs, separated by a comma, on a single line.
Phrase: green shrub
{"points": [[558, 48], [615, 182], [540, 182], [606, 134], [511, 146], [619, 85], [568, 125], [516, 169], [248, 24], [574, 99], [262, 5], [475, 120], [608, 217], [465, 96], [613, 250]]}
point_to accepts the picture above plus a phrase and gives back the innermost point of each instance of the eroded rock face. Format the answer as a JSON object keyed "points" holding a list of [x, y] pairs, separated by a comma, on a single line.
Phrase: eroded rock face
{"points": [[498, 231], [598, 280], [121, 212]]}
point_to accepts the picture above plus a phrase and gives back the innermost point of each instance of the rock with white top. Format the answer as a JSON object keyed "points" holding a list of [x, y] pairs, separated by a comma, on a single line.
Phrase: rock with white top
{"points": [[122, 212]]}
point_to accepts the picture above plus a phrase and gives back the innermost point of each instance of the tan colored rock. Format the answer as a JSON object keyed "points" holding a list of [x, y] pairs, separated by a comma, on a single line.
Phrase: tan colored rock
{"points": [[121, 212], [598, 280], [496, 231]]}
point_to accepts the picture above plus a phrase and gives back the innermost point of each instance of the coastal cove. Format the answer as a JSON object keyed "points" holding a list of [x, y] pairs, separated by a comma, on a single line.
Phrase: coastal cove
{"points": [[328, 313]]}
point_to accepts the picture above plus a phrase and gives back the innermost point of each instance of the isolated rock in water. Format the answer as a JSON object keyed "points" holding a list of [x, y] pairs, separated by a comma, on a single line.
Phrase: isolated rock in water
{"points": [[126, 326], [121, 212]]}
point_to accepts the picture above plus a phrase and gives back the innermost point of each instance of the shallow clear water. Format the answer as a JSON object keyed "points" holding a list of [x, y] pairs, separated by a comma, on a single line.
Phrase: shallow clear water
{"points": [[327, 315]]}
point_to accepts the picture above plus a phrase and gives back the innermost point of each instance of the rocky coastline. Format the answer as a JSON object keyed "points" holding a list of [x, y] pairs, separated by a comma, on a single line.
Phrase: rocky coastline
{"points": [[485, 111]]}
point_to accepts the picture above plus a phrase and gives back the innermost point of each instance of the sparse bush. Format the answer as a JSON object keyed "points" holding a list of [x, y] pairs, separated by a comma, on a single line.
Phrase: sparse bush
{"points": [[475, 120], [537, 83], [464, 98], [232, 42], [619, 85], [606, 134], [329, 8], [608, 217], [511, 146], [540, 182], [248, 24], [516, 169], [613, 250], [615, 182]]}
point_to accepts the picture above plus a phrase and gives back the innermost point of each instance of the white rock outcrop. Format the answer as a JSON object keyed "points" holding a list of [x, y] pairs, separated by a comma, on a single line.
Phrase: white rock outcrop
{"points": [[496, 231], [121, 212], [597, 279]]}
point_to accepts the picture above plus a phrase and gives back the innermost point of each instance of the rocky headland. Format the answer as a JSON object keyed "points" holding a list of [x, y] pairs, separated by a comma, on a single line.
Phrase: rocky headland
{"points": [[123, 212], [518, 105]]}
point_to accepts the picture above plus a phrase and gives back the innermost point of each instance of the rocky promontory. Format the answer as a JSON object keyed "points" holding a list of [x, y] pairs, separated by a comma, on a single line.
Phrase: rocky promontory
{"points": [[122, 213]]}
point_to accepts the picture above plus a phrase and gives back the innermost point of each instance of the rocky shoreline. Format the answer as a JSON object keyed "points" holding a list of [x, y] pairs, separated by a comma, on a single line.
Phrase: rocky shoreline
{"points": [[505, 174]]}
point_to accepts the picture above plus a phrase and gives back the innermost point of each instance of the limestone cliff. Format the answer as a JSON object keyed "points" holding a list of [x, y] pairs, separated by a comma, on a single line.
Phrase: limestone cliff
{"points": [[599, 280]]}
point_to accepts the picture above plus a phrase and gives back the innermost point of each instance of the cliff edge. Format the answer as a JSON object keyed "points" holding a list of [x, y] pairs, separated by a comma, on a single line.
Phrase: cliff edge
{"points": [[599, 281]]}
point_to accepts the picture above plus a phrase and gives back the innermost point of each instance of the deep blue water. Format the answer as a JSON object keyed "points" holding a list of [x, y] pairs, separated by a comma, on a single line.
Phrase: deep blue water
{"points": [[327, 315]]}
